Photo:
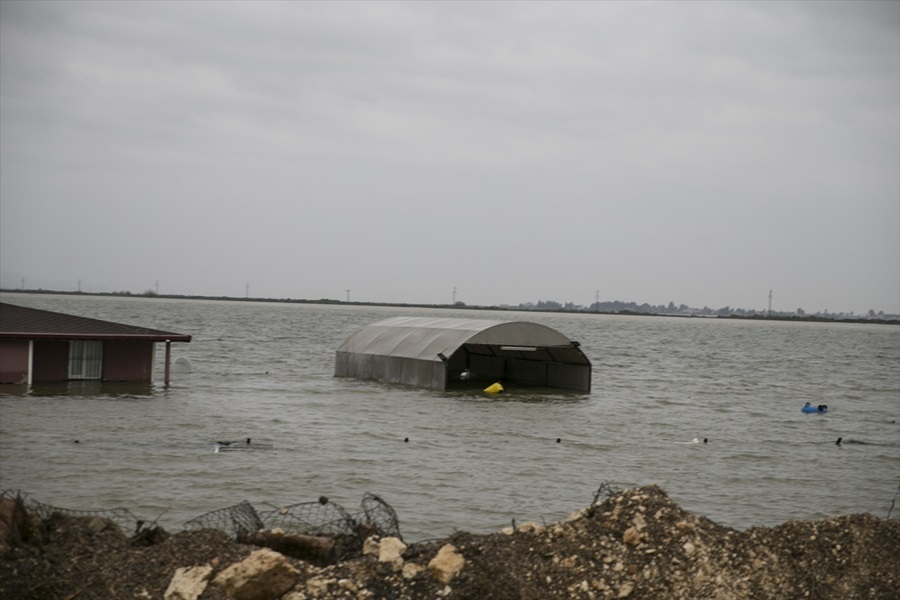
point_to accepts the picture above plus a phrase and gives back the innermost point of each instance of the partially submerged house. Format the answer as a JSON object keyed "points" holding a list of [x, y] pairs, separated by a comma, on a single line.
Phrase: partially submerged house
{"points": [[438, 353], [40, 346]]}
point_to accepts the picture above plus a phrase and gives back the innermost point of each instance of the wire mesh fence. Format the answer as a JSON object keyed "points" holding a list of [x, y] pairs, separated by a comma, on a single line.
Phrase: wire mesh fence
{"points": [[342, 531], [380, 515], [320, 518], [236, 520], [122, 517]]}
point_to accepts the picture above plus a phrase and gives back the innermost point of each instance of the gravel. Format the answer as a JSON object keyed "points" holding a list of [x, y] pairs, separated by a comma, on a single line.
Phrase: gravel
{"points": [[634, 544]]}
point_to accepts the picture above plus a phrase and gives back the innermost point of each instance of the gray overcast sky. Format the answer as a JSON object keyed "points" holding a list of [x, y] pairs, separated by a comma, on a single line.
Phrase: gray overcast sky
{"points": [[702, 153]]}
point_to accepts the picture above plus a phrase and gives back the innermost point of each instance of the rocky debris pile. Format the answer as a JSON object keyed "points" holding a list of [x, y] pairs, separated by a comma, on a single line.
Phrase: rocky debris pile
{"points": [[634, 544]]}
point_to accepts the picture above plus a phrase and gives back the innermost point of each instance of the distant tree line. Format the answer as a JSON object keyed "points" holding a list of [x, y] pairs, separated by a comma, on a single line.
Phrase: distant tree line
{"points": [[620, 307], [606, 307]]}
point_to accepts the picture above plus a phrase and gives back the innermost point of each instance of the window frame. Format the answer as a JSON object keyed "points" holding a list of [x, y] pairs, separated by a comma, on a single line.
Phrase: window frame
{"points": [[85, 360]]}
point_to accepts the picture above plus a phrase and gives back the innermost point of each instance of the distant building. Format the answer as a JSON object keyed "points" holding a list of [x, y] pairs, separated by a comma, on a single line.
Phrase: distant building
{"points": [[40, 346]]}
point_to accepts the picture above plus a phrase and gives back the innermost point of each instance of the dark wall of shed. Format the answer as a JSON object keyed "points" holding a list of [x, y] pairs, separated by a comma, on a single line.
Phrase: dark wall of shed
{"points": [[527, 371], [50, 361], [128, 361], [13, 361], [487, 367], [575, 377]]}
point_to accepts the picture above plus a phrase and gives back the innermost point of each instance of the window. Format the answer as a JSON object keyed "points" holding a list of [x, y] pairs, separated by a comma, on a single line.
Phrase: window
{"points": [[85, 360]]}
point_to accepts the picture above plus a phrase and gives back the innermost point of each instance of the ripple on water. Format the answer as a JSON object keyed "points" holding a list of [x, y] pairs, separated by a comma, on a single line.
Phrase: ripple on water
{"points": [[472, 462]]}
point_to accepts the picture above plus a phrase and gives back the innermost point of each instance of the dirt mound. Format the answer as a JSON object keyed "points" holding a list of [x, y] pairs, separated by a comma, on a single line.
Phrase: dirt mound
{"points": [[634, 544]]}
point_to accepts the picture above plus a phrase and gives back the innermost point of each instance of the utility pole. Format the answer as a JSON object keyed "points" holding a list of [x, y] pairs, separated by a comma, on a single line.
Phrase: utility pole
{"points": [[348, 295], [157, 287], [247, 290], [770, 302], [597, 301], [454, 295], [79, 286]]}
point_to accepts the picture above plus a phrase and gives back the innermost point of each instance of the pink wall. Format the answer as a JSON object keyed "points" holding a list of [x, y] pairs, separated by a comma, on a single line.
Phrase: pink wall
{"points": [[122, 361], [13, 361]]}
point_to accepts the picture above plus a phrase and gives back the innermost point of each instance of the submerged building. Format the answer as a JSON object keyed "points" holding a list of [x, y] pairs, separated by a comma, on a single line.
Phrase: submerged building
{"points": [[438, 353], [40, 346]]}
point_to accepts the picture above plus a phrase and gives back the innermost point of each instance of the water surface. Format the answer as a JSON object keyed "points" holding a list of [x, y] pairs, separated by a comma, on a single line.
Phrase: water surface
{"points": [[472, 462]]}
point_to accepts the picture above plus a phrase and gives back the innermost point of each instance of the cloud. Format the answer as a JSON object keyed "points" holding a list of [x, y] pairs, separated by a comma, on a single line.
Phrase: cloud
{"points": [[696, 152]]}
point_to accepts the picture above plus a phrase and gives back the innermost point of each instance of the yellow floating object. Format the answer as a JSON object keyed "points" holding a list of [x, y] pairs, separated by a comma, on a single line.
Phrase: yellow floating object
{"points": [[494, 388]]}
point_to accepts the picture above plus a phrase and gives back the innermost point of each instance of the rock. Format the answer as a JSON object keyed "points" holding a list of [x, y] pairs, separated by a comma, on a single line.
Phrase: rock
{"points": [[391, 550], [631, 536], [318, 585], [446, 564], [263, 575], [684, 526], [99, 524], [626, 589], [639, 522], [370, 546], [531, 527], [410, 570], [188, 583], [688, 548], [577, 515]]}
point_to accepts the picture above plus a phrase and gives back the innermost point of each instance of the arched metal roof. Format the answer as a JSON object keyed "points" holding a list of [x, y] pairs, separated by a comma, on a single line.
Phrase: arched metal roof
{"points": [[425, 338], [427, 351]]}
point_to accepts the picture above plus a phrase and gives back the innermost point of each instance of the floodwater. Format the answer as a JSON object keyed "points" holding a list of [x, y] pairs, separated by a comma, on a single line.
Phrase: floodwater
{"points": [[472, 462]]}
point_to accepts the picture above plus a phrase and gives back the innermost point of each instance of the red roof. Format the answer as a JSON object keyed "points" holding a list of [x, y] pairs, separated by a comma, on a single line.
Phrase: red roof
{"points": [[31, 323]]}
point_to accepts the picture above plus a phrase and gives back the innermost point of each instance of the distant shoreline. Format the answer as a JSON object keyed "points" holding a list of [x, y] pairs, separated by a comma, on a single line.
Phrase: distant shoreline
{"points": [[461, 306]]}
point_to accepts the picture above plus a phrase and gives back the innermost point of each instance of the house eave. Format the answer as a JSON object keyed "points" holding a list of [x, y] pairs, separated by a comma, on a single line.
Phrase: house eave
{"points": [[127, 337]]}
